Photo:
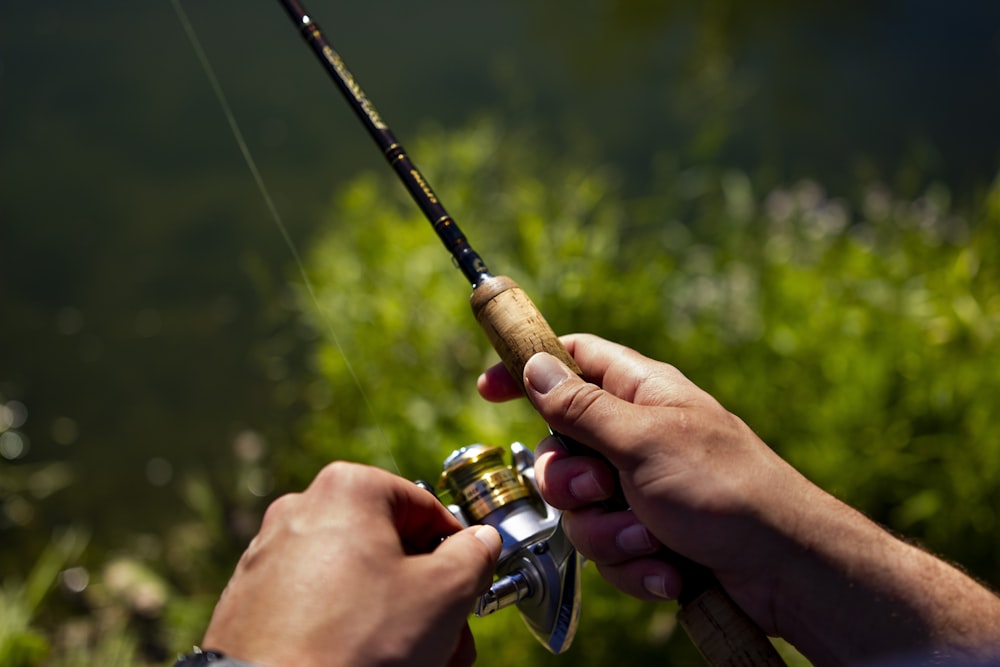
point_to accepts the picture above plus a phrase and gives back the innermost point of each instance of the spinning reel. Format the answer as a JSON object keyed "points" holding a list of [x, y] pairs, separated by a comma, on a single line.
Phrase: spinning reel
{"points": [[538, 570]]}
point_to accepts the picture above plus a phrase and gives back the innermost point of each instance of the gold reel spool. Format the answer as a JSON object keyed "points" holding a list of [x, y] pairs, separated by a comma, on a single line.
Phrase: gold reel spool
{"points": [[480, 481]]}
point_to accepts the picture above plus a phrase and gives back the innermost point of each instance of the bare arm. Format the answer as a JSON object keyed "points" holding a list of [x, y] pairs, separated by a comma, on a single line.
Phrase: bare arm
{"points": [[860, 593], [804, 565]]}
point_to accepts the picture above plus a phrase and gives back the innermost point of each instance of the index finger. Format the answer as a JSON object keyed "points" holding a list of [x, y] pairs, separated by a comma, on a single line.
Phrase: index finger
{"points": [[369, 497], [615, 368], [628, 374], [420, 518], [496, 385]]}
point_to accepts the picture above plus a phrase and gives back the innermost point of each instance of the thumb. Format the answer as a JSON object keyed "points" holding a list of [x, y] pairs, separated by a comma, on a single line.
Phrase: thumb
{"points": [[579, 409], [473, 554]]}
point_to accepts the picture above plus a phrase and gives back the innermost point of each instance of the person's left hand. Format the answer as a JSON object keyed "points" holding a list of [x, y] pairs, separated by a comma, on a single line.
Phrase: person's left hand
{"points": [[351, 572]]}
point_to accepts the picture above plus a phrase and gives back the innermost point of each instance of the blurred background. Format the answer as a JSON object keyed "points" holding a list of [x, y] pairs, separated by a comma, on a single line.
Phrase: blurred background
{"points": [[796, 205]]}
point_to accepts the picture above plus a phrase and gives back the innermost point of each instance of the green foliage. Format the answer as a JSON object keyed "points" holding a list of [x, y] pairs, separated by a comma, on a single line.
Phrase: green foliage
{"points": [[140, 605], [858, 339], [21, 644]]}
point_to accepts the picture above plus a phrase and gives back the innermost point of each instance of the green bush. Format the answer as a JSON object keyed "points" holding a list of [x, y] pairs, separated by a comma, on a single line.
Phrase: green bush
{"points": [[857, 338]]}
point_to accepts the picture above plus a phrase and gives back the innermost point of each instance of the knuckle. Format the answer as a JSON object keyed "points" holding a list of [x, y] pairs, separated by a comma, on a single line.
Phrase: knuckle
{"points": [[335, 472], [278, 509], [582, 401], [339, 477]]}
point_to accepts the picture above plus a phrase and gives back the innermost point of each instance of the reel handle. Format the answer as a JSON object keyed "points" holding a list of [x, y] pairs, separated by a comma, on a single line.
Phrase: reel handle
{"points": [[721, 631]]}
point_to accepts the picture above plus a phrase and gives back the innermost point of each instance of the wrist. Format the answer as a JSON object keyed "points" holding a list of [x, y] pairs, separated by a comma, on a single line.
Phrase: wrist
{"points": [[207, 658]]}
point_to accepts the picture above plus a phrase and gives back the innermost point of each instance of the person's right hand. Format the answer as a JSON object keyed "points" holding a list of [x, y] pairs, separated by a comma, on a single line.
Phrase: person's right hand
{"points": [[695, 476], [802, 564]]}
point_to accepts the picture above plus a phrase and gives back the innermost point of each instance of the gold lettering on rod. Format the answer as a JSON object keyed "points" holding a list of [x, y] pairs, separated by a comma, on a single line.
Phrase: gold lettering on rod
{"points": [[334, 59], [423, 185]]}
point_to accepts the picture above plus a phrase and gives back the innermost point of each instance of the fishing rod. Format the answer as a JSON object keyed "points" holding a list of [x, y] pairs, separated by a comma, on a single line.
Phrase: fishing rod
{"points": [[546, 590], [513, 324]]}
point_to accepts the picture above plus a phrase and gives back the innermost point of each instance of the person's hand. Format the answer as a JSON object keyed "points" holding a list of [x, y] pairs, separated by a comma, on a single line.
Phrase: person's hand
{"points": [[802, 564], [696, 478], [351, 572]]}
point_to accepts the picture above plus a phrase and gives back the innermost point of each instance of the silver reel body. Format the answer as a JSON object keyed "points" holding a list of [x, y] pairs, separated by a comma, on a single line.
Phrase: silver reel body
{"points": [[538, 570]]}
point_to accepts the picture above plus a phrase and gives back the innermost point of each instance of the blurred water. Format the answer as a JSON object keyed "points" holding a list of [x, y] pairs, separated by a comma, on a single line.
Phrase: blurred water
{"points": [[142, 298]]}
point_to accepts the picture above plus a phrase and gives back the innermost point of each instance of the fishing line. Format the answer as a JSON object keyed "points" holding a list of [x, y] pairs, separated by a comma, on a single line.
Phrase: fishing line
{"points": [[275, 215]]}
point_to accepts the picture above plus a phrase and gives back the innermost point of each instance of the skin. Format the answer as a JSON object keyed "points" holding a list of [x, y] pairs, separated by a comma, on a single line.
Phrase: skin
{"points": [[338, 575], [802, 564]]}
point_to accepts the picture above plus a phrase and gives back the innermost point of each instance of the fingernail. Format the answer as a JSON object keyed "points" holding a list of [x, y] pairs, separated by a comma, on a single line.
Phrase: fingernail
{"points": [[544, 372], [489, 536], [635, 539], [656, 584], [586, 488]]}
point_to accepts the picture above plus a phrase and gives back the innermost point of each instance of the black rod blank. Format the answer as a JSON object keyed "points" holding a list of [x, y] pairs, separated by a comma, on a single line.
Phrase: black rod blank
{"points": [[470, 263]]}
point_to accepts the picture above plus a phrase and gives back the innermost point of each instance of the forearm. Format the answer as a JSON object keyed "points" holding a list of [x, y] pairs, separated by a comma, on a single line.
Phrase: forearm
{"points": [[856, 594]]}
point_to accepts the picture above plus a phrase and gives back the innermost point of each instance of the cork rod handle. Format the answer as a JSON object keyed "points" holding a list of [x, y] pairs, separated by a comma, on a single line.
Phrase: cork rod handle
{"points": [[514, 326], [722, 632]]}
